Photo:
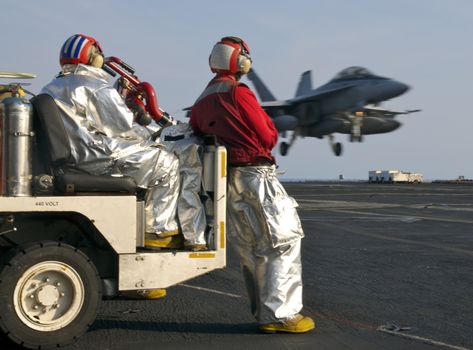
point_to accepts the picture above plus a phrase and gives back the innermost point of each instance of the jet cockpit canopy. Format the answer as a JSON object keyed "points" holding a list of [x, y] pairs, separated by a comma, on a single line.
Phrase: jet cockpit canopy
{"points": [[355, 72]]}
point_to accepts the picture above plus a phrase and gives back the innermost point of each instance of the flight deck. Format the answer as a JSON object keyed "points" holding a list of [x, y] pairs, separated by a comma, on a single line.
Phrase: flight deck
{"points": [[386, 266]]}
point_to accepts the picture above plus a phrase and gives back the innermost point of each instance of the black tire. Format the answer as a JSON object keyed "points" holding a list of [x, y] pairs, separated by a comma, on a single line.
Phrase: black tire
{"points": [[338, 149], [283, 148], [49, 295]]}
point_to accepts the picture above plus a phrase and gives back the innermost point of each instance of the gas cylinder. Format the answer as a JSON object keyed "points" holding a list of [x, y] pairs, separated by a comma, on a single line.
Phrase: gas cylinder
{"points": [[16, 139]]}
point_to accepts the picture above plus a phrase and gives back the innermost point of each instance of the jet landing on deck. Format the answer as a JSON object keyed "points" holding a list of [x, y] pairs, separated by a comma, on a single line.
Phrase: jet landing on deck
{"points": [[347, 104]]}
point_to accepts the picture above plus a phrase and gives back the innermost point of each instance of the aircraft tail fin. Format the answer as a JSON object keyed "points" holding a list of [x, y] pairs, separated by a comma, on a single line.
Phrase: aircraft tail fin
{"points": [[263, 92], [305, 84]]}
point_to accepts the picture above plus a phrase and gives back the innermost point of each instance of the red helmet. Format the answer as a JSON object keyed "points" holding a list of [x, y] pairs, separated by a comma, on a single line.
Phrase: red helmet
{"points": [[77, 49], [230, 55]]}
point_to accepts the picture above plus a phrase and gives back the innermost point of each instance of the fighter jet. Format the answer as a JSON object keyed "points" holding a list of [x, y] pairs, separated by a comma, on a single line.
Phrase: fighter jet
{"points": [[347, 104]]}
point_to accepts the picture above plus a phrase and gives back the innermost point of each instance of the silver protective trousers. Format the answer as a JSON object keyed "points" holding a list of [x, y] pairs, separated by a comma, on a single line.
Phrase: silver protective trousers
{"points": [[157, 170], [264, 221], [180, 140]]}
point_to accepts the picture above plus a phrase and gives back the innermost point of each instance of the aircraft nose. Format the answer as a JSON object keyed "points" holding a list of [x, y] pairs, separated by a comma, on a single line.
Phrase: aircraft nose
{"points": [[389, 89], [404, 87], [400, 88]]}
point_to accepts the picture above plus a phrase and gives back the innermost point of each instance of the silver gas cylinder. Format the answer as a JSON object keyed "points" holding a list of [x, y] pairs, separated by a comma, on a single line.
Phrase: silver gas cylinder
{"points": [[16, 136]]}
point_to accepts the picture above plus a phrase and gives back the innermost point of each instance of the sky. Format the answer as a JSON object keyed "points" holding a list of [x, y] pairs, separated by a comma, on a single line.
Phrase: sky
{"points": [[424, 43]]}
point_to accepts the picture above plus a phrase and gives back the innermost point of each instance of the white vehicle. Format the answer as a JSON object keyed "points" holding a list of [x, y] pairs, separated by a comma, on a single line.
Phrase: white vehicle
{"points": [[375, 176], [68, 239], [394, 176]]}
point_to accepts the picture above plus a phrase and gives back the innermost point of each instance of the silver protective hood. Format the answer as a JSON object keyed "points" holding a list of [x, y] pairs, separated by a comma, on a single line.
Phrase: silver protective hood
{"points": [[104, 140], [180, 140], [264, 221]]}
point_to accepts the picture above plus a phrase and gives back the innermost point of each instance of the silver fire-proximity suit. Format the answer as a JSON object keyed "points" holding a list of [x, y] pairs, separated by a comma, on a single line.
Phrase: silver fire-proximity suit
{"points": [[262, 217], [188, 148], [104, 140], [268, 230]]}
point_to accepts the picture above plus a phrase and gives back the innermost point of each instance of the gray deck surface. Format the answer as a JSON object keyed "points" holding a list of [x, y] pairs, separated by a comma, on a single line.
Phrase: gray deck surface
{"points": [[373, 255]]}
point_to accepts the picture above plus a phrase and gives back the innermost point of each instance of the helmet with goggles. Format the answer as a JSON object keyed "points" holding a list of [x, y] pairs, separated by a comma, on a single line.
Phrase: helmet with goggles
{"points": [[81, 49], [230, 55]]}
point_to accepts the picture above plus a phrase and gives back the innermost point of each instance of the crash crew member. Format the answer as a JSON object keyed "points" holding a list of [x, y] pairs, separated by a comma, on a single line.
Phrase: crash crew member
{"points": [[105, 140], [262, 217]]}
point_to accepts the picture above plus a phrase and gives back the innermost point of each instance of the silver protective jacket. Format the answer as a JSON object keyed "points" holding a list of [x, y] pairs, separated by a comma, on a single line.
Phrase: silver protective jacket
{"points": [[188, 148], [265, 223], [104, 140]]}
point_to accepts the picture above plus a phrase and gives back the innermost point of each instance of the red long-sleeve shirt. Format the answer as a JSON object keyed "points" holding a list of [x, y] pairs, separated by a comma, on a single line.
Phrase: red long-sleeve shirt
{"points": [[230, 110]]}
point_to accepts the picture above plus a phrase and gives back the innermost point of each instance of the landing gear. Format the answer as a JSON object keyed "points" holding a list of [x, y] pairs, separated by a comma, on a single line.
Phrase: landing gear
{"points": [[337, 147], [49, 295], [356, 125], [283, 148], [356, 138]]}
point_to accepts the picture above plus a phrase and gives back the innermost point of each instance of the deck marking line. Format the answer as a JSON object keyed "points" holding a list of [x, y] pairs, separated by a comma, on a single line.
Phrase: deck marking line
{"points": [[422, 339], [210, 290], [460, 221], [402, 240]]}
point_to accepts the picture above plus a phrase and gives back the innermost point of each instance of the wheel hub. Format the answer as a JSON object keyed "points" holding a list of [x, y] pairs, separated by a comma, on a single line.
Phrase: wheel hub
{"points": [[49, 296]]}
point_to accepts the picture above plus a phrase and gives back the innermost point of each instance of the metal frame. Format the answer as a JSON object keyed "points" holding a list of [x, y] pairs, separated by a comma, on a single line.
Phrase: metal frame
{"points": [[120, 220], [163, 269], [114, 216]]}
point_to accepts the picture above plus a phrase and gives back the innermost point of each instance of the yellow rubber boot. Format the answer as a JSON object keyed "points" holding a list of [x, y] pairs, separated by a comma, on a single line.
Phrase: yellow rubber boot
{"points": [[297, 324], [195, 247], [145, 294], [154, 294], [169, 242]]}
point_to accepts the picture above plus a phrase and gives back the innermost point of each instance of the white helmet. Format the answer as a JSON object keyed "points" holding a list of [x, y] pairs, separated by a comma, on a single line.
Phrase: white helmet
{"points": [[230, 55]]}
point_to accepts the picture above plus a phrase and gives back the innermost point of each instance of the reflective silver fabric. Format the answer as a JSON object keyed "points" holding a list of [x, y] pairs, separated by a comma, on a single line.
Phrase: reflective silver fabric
{"points": [[223, 86], [180, 139], [264, 221], [104, 140]]}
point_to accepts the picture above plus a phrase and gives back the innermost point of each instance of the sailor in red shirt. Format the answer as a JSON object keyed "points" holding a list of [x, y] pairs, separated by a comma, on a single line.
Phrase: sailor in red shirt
{"points": [[262, 217], [229, 110]]}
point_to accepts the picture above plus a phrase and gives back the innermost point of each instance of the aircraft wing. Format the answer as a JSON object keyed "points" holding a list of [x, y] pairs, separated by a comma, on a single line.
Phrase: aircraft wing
{"points": [[387, 113], [275, 104], [282, 104], [304, 94], [276, 107], [320, 93]]}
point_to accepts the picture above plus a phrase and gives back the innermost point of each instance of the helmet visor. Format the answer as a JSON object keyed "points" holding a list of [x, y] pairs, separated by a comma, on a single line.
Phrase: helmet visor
{"points": [[244, 47]]}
